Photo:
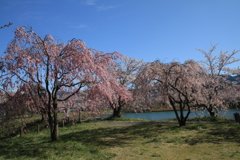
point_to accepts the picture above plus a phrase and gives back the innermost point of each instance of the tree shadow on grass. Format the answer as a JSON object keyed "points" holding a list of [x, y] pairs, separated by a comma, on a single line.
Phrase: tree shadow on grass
{"points": [[215, 135], [22, 147], [119, 136], [112, 136], [90, 140], [13, 146]]}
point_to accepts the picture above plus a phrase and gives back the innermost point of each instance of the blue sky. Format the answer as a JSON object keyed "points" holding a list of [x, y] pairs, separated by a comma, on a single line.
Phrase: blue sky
{"points": [[143, 29]]}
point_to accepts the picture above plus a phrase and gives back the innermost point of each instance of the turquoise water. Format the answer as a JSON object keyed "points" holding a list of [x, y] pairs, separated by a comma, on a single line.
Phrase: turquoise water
{"points": [[170, 114]]}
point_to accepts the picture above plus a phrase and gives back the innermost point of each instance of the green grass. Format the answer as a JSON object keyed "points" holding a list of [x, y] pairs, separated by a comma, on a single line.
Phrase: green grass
{"points": [[213, 119], [12, 127], [90, 141]]}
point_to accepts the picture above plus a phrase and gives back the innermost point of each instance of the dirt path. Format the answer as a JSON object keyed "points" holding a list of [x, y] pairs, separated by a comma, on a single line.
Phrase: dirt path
{"points": [[123, 123]]}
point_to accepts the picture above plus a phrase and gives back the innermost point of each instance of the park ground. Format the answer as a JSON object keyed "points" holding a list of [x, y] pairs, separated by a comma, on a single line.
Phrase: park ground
{"points": [[127, 139]]}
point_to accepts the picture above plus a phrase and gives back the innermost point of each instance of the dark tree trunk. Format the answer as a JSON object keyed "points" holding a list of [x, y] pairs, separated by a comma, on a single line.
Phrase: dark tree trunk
{"points": [[181, 119], [43, 117], [181, 123], [212, 113], [54, 130], [117, 112], [117, 107], [54, 133], [53, 123]]}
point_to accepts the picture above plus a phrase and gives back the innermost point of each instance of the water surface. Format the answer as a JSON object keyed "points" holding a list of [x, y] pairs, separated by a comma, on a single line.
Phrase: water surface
{"points": [[170, 115]]}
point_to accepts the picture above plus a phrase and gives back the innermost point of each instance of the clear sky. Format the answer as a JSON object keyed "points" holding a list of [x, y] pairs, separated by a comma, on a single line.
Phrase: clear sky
{"points": [[143, 29]]}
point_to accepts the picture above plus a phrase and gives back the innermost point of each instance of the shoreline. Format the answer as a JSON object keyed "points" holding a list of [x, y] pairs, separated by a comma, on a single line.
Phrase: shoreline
{"points": [[155, 110]]}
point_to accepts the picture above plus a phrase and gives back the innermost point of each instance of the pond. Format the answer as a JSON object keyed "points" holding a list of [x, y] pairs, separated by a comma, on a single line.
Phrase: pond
{"points": [[170, 115]]}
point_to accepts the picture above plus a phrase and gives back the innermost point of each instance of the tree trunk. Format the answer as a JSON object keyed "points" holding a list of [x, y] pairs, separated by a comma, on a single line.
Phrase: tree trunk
{"points": [[117, 112], [212, 113], [53, 122], [181, 123], [54, 128], [54, 133], [181, 119], [21, 131], [80, 115], [117, 107], [43, 117]]}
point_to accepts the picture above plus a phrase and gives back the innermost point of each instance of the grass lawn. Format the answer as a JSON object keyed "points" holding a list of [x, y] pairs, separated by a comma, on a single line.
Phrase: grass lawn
{"points": [[90, 141]]}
